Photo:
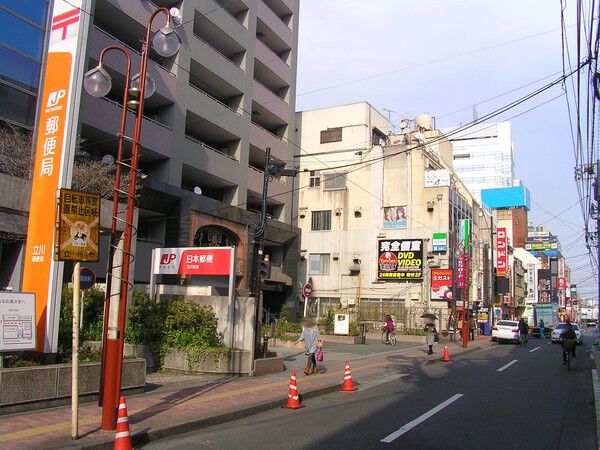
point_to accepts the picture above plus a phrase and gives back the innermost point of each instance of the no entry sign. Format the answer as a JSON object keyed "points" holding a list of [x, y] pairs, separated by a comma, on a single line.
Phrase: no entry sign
{"points": [[87, 278], [307, 290]]}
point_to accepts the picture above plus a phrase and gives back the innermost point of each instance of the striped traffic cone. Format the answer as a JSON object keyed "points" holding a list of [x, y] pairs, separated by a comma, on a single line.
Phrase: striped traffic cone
{"points": [[446, 354], [293, 401], [347, 385], [122, 438]]}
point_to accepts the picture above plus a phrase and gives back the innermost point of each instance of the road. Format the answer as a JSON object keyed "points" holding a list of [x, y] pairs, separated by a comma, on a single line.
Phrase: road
{"points": [[504, 397]]}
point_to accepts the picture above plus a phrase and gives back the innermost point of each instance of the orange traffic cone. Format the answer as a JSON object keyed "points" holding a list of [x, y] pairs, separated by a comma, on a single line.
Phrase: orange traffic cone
{"points": [[293, 401], [446, 354], [122, 438], [347, 385]]}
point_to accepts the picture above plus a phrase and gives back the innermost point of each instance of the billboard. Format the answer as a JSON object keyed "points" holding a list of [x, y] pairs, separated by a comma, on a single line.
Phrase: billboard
{"points": [[541, 246], [501, 252], [544, 286], [506, 197], [531, 283], [439, 242], [435, 178], [55, 144], [207, 261], [400, 259], [78, 226], [464, 234], [394, 217], [441, 284]]}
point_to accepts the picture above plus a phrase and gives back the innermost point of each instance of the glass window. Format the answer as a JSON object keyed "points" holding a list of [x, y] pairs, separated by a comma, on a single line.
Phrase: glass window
{"points": [[21, 36], [34, 10], [321, 220], [319, 264], [17, 106], [334, 181], [315, 178], [19, 70]]}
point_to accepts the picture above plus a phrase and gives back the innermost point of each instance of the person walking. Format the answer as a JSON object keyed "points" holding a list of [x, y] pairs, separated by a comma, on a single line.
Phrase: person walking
{"points": [[472, 325], [388, 328], [452, 327], [430, 333], [312, 340], [542, 325]]}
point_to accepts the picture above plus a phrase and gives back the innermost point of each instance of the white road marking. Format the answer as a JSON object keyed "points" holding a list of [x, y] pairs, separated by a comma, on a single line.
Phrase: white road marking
{"points": [[534, 349], [422, 418], [549, 342], [506, 366]]}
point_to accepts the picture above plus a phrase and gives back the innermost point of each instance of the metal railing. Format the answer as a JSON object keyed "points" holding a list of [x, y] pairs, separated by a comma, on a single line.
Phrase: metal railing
{"points": [[279, 138], [262, 172], [236, 110], [150, 119], [205, 145], [272, 51], [271, 92], [210, 46]]}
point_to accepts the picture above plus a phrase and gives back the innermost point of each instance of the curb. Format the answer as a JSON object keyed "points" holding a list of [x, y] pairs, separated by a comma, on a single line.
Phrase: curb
{"points": [[596, 388]]}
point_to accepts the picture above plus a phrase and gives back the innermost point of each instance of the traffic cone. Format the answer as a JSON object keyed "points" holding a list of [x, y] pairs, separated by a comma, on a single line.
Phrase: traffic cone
{"points": [[122, 438], [347, 385], [446, 354], [293, 401]]}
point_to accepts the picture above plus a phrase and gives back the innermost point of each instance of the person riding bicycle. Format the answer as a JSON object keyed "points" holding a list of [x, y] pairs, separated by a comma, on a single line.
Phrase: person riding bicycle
{"points": [[388, 327], [569, 341], [523, 329]]}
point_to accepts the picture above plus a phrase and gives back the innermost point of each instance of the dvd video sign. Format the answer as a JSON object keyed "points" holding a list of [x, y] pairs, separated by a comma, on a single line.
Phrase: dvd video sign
{"points": [[400, 259]]}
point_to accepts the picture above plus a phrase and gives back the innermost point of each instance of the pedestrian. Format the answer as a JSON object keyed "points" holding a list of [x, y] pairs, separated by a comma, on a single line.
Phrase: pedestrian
{"points": [[472, 326], [312, 340], [388, 327], [430, 333], [542, 329], [452, 327]]}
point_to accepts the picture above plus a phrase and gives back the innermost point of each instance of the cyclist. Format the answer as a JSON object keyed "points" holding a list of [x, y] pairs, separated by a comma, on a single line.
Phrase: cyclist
{"points": [[569, 340], [523, 329], [388, 328]]}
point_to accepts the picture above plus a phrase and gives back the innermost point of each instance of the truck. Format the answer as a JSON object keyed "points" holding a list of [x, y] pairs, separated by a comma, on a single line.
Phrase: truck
{"points": [[536, 312]]}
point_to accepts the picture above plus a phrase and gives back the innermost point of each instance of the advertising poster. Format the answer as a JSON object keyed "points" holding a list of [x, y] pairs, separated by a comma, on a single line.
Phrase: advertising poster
{"points": [[435, 178], [78, 226], [400, 259], [394, 217], [501, 252], [441, 284], [461, 271], [17, 321], [440, 242]]}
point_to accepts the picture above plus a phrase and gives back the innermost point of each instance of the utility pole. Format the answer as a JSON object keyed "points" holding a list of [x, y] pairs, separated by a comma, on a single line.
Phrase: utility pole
{"points": [[597, 241]]}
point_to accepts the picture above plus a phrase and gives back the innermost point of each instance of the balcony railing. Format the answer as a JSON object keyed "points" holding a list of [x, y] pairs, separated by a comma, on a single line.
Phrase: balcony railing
{"points": [[281, 180], [277, 15], [270, 132], [272, 51], [237, 110], [271, 92], [205, 145], [209, 45], [119, 105]]}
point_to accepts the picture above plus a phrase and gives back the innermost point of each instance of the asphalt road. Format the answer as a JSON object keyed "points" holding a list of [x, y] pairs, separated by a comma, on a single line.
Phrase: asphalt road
{"points": [[505, 397]]}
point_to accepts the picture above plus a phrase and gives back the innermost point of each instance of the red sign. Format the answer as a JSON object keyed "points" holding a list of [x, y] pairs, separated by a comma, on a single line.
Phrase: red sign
{"points": [[461, 271], [501, 252], [562, 283], [307, 290], [441, 284], [194, 261]]}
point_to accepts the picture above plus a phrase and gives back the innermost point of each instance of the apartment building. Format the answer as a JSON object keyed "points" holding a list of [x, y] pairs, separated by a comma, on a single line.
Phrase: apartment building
{"points": [[218, 104], [369, 192], [483, 156]]}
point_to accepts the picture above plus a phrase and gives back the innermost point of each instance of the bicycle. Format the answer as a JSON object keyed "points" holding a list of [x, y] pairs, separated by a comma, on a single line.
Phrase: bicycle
{"points": [[522, 338], [391, 338], [568, 346]]}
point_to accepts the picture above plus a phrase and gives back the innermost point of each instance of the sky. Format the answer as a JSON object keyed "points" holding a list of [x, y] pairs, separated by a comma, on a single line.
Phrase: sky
{"points": [[432, 56]]}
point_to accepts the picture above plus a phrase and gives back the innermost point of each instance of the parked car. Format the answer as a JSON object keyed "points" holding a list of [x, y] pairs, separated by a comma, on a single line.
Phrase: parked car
{"points": [[560, 328], [592, 324], [506, 330], [535, 331]]}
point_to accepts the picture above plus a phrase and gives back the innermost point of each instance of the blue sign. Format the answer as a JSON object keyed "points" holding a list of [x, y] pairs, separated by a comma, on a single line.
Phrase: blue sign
{"points": [[87, 278], [508, 197]]}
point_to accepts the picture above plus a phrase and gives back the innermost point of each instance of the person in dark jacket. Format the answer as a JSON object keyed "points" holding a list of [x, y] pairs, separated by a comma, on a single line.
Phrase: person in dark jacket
{"points": [[523, 329], [472, 325], [571, 343]]}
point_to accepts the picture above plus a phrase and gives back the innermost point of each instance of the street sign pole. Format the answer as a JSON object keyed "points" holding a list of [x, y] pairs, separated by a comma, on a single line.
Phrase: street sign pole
{"points": [[75, 354]]}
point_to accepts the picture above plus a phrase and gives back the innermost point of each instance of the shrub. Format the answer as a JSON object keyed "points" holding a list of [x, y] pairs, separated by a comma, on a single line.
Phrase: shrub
{"points": [[145, 320], [289, 327], [190, 325]]}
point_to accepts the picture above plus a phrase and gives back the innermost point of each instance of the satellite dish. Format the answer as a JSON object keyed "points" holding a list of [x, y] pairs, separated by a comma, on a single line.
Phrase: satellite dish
{"points": [[197, 190], [108, 160]]}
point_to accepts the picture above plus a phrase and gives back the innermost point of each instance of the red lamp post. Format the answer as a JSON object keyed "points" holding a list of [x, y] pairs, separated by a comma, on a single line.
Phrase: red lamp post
{"points": [[97, 82]]}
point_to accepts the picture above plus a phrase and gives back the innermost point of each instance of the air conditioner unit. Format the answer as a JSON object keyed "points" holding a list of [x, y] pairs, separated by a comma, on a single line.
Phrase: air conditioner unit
{"points": [[302, 212], [335, 256], [338, 211]]}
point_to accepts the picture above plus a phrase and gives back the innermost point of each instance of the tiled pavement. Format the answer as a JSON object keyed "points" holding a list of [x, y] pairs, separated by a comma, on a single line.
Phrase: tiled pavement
{"points": [[165, 412]]}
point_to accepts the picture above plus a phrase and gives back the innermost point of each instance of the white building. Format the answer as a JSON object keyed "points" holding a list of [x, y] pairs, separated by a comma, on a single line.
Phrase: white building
{"points": [[483, 156]]}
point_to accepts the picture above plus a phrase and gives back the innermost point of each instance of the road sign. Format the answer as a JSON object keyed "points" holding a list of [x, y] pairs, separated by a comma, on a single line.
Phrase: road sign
{"points": [[87, 278], [78, 226], [307, 290]]}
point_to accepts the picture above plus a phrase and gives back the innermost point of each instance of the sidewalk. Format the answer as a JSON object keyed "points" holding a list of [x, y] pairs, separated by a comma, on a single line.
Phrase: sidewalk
{"points": [[166, 412]]}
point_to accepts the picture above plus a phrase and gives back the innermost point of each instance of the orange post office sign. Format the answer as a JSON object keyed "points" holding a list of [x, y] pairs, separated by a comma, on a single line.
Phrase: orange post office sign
{"points": [[78, 226]]}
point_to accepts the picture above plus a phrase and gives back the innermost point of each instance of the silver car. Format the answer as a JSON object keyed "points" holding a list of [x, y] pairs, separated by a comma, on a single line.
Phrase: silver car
{"points": [[560, 328]]}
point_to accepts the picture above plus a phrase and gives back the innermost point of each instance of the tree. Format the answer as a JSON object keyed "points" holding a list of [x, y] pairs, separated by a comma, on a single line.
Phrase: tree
{"points": [[16, 151]]}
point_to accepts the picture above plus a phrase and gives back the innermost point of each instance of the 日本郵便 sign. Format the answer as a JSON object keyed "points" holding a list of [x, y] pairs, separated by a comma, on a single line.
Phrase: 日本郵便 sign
{"points": [[193, 261], [78, 226], [400, 259]]}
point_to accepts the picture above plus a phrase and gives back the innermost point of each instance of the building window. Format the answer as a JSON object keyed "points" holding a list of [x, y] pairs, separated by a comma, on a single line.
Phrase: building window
{"points": [[331, 135], [319, 264], [321, 220], [327, 304], [315, 178], [334, 181]]}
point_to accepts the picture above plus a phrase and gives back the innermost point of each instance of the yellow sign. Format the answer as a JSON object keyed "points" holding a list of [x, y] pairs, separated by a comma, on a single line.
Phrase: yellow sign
{"points": [[78, 226]]}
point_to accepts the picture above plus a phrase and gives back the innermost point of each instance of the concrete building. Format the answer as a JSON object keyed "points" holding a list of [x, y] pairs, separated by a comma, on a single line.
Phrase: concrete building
{"points": [[368, 190], [219, 103], [483, 156]]}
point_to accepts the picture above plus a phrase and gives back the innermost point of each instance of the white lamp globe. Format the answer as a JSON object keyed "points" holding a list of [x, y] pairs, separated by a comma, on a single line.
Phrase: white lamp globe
{"points": [[166, 42], [150, 84], [97, 82]]}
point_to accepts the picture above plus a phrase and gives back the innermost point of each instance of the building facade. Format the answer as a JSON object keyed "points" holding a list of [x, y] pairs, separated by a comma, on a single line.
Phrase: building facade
{"points": [[483, 156]]}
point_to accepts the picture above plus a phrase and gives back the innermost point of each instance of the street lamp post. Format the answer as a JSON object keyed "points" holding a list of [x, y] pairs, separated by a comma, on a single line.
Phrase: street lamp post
{"points": [[97, 83]]}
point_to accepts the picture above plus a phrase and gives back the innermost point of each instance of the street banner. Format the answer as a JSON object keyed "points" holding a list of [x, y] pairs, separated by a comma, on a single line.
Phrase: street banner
{"points": [[461, 271], [464, 234], [439, 242], [56, 133], [209, 261], [561, 283], [17, 327], [78, 226], [531, 283], [501, 252], [441, 284], [400, 259]]}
